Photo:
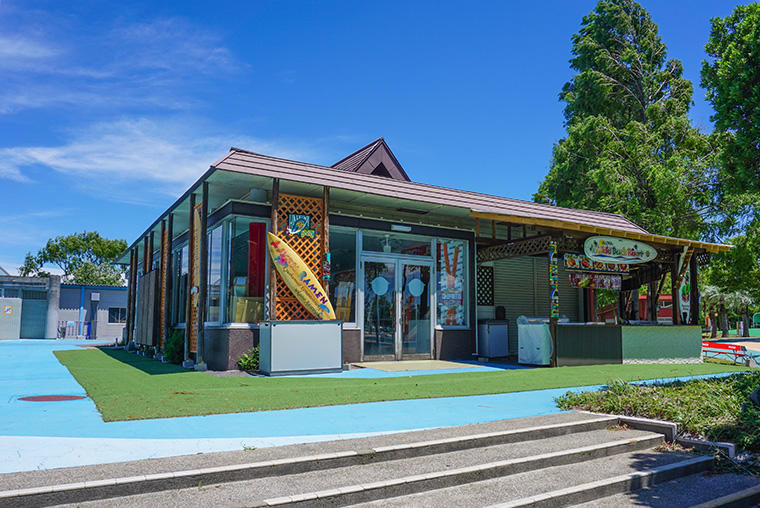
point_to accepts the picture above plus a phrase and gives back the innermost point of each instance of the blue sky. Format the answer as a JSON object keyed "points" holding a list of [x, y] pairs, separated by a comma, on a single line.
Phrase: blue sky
{"points": [[109, 110]]}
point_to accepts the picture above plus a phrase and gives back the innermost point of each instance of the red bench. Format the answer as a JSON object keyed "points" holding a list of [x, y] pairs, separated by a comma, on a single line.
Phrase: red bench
{"points": [[734, 351]]}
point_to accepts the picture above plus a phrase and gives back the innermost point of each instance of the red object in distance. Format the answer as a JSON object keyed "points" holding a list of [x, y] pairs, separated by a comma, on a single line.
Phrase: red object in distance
{"points": [[51, 398]]}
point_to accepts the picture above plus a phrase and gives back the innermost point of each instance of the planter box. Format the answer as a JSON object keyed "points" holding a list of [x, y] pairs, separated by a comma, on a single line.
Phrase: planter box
{"points": [[300, 347]]}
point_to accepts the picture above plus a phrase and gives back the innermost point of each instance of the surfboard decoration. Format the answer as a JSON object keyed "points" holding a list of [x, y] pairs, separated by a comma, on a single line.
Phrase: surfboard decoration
{"points": [[299, 278]]}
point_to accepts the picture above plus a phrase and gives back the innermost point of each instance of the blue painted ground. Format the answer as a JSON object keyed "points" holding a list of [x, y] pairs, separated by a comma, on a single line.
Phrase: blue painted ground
{"points": [[56, 434]]}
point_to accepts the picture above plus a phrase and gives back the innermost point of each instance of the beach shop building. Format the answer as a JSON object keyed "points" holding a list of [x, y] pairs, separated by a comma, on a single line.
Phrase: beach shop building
{"points": [[410, 269]]}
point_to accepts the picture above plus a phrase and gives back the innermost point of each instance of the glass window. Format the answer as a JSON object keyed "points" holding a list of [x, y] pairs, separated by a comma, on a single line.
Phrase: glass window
{"points": [[117, 315], [452, 285], [394, 243], [180, 284], [214, 286], [343, 274], [247, 271]]}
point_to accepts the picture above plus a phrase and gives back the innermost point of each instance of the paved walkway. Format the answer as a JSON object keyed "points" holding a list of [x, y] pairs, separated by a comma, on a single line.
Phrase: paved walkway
{"points": [[44, 435]]}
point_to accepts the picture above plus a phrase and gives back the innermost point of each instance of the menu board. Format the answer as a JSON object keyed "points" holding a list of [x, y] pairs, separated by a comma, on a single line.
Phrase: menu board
{"points": [[579, 262]]}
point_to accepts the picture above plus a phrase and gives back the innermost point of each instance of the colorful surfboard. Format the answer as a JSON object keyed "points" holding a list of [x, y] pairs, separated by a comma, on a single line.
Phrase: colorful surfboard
{"points": [[299, 278]]}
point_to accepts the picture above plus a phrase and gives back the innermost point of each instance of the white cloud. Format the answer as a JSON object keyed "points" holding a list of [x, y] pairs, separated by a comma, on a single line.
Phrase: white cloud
{"points": [[16, 48], [169, 154]]}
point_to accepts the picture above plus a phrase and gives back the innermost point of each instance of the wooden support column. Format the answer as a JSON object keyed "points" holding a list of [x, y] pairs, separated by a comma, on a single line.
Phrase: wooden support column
{"points": [[161, 306], [146, 255], [168, 274], [694, 292], [553, 297], [477, 228], [652, 301], [509, 232], [203, 276], [493, 229], [190, 272], [131, 295], [272, 270], [326, 240], [674, 287], [149, 264]]}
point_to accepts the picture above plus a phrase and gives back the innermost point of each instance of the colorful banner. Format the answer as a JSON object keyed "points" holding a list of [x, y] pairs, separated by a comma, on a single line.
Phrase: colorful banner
{"points": [[595, 281], [579, 262], [553, 280], [607, 249], [451, 263]]}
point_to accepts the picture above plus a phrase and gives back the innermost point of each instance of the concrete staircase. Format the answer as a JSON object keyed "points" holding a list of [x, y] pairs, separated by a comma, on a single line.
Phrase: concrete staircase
{"points": [[555, 460]]}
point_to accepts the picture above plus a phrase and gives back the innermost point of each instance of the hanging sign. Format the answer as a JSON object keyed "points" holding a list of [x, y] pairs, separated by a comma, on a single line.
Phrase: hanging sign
{"points": [[595, 281], [579, 262], [301, 225], [553, 280], [607, 249], [299, 278], [684, 297]]}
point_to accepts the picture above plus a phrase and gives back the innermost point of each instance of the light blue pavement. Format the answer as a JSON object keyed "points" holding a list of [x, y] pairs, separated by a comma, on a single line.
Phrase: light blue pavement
{"points": [[42, 435]]}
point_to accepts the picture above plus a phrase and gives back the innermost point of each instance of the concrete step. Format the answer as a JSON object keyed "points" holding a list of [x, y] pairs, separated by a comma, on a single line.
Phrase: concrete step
{"points": [[708, 489], [560, 485], [466, 442], [400, 477]]}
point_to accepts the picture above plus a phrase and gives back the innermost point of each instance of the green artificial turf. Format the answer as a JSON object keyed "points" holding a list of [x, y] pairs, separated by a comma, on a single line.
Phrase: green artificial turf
{"points": [[125, 386]]}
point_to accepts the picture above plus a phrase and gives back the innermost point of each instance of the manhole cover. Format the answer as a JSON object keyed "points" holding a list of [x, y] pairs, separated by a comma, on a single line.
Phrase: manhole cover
{"points": [[51, 398]]}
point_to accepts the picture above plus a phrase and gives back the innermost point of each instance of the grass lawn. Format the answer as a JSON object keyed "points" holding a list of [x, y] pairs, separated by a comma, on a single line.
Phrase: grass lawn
{"points": [[718, 409], [125, 386]]}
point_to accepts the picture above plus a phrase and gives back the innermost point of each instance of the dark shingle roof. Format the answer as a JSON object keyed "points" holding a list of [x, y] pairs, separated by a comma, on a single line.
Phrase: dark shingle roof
{"points": [[356, 159]]}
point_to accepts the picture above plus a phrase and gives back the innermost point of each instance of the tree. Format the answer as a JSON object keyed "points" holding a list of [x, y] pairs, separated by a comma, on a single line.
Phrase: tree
{"points": [[738, 269], [732, 81], [84, 258], [630, 147]]}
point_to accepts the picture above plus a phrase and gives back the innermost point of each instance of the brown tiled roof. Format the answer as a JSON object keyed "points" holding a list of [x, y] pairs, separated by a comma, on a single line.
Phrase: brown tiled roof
{"points": [[356, 159], [248, 162]]}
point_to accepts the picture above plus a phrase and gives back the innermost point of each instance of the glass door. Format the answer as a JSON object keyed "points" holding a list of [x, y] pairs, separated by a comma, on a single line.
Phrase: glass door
{"points": [[415, 309], [379, 308], [397, 308]]}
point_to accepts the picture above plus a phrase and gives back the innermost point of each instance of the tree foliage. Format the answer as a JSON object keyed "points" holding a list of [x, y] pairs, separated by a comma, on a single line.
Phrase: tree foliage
{"points": [[630, 147], [732, 81], [738, 269], [84, 258]]}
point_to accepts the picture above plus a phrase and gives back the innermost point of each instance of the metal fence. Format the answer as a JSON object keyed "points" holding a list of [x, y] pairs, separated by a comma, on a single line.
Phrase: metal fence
{"points": [[75, 330]]}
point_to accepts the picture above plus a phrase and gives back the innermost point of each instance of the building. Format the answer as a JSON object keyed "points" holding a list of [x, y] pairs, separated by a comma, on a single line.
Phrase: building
{"points": [[410, 268], [43, 308], [3, 271]]}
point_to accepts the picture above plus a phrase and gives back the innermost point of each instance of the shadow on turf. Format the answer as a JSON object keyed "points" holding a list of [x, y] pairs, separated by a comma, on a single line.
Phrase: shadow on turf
{"points": [[148, 365]]}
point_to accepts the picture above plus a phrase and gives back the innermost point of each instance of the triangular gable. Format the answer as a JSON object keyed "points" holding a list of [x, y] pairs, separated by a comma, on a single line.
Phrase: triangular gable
{"points": [[374, 159]]}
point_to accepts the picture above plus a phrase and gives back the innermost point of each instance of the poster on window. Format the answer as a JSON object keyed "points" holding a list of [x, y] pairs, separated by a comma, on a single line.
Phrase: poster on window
{"points": [[451, 283], [595, 281]]}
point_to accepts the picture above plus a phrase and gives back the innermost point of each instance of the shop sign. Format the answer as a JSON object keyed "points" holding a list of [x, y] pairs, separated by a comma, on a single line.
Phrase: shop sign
{"points": [[579, 262], [607, 249], [300, 224], [300, 279], [595, 281]]}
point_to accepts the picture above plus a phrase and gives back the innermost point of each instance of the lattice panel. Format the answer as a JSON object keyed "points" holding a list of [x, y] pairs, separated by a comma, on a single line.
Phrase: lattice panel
{"points": [[530, 246], [485, 285], [309, 248]]}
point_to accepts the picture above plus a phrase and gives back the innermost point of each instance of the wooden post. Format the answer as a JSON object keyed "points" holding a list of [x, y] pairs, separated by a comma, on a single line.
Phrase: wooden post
{"points": [[131, 295], [168, 274], [146, 255], [203, 276], [326, 240], [272, 270], [493, 229], [151, 247], [676, 300], [509, 232], [190, 271], [477, 228], [553, 297], [162, 306], [652, 301], [694, 291]]}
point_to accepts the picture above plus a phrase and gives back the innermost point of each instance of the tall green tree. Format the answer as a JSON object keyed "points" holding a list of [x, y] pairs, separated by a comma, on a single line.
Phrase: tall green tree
{"points": [[84, 258], [731, 77], [630, 147]]}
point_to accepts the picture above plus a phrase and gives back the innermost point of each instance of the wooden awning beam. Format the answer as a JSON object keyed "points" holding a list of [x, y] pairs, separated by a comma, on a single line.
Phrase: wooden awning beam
{"points": [[598, 230]]}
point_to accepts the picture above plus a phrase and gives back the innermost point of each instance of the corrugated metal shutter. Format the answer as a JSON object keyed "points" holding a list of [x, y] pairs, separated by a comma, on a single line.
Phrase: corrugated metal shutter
{"points": [[34, 314], [521, 286]]}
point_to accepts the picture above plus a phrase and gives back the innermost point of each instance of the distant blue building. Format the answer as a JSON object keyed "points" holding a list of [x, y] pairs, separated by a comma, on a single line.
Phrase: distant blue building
{"points": [[43, 308]]}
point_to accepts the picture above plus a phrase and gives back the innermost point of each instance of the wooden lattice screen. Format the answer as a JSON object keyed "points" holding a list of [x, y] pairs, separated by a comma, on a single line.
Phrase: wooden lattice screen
{"points": [[309, 247], [485, 285]]}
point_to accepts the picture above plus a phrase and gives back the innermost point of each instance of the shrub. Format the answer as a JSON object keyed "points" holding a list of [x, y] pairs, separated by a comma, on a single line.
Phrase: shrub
{"points": [[250, 360], [174, 348]]}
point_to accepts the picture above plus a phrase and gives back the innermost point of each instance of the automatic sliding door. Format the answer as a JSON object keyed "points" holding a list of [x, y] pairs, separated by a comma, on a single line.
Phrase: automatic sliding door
{"points": [[415, 309], [379, 308]]}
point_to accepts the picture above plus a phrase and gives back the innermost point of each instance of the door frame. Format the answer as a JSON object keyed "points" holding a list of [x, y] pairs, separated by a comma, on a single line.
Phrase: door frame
{"points": [[399, 260]]}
